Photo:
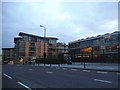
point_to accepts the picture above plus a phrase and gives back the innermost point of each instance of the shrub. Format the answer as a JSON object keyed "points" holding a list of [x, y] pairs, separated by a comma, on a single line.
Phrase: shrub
{"points": [[48, 60]]}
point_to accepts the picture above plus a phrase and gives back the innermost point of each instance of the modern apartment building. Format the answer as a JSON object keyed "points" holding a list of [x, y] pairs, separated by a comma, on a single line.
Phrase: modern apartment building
{"points": [[101, 48], [7, 54], [62, 48], [28, 46], [62, 51]]}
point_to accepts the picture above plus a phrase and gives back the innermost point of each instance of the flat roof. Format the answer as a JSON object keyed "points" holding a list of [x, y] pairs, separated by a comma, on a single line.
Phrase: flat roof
{"points": [[7, 48], [21, 33], [95, 37]]}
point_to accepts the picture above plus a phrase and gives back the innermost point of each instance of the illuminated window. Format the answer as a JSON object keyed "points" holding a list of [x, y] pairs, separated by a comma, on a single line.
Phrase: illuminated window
{"points": [[112, 48], [108, 37], [86, 50], [118, 46], [78, 56]]}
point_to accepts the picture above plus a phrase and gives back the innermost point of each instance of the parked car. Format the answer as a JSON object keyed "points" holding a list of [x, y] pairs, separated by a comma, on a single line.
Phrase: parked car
{"points": [[31, 61], [69, 60]]}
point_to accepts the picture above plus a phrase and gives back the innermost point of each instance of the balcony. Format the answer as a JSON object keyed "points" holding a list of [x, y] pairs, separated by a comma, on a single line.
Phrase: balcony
{"points": [[32, 44]]}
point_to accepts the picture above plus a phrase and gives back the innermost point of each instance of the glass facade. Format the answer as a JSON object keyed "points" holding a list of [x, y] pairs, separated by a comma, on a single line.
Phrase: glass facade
{"points": [[102, 46]]}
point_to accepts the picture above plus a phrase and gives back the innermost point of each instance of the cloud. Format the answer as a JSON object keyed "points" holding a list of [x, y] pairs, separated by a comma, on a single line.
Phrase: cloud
{"points": [[110, 25], [55, 11], [77, 30], [65, 20]]}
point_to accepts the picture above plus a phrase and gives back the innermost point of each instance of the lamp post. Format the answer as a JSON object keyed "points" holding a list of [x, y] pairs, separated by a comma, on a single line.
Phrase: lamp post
{"points": [[44, 41]]}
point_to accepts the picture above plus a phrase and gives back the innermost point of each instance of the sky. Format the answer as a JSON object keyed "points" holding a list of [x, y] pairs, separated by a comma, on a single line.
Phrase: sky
{"points": [[68, 21]]}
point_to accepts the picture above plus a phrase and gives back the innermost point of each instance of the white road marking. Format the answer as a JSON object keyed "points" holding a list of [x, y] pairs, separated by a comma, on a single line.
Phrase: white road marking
{"points": [[57, 68], [86, 70], [118, 73], [74, 69], [30, 69], [7, 76], [24, 85], [65, 68], [36, 65], [49, 72], [102, 72], [102, 81]]}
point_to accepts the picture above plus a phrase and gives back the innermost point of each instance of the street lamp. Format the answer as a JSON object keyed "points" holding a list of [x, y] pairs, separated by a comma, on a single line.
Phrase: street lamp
{"points": [[44, 39]]}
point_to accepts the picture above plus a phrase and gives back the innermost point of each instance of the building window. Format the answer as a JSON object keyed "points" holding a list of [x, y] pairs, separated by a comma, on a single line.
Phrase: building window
{"points": [[22, 48], [31, 53], [32, 44], [86, 50], [32, 49], [22, 53], [52, 41], [22, 44], [96, 42], [38, 40], [96, 50], [50, 49], [112, 48], [25, 38], [29, 38], [50, 45], [33, 39], [50, 53]]}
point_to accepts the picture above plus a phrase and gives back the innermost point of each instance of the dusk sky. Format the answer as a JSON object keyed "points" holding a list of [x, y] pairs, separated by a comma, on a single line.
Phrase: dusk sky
{"points": [[67, 21]]}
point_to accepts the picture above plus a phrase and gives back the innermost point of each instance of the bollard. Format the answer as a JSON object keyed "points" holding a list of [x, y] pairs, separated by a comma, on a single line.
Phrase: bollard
{"points": [[84, 65], [59, 64]]}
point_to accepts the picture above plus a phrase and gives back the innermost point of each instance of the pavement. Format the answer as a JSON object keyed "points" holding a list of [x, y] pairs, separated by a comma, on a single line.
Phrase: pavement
{"points": [[31, 77], [110, 67]]}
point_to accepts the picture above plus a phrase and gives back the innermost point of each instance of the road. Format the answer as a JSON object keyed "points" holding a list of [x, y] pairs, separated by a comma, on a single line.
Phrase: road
{"points": [[26, 76]]}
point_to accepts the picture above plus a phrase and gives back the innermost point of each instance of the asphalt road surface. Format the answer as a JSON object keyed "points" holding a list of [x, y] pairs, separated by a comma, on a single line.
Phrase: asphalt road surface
{"points": [[26, 76]]}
